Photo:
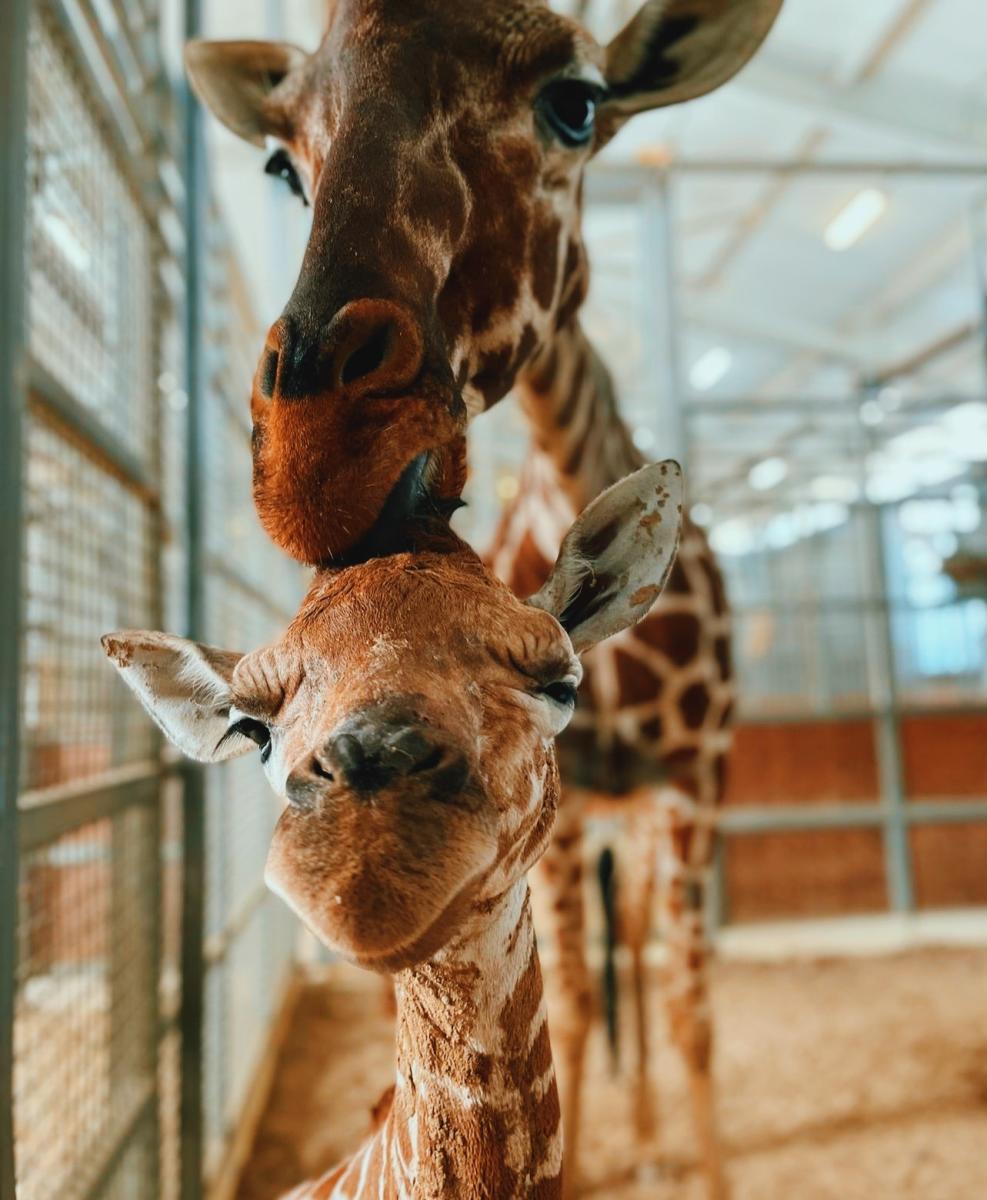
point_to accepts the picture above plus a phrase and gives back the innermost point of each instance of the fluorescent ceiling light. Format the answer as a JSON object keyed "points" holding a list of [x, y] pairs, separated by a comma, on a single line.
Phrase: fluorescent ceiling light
{"points": [[767, 474], [709, 368], [852, 222]]}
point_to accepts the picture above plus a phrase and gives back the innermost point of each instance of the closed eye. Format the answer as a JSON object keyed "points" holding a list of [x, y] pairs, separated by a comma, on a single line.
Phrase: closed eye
{"points": [[281, 167], [256, 731], [561, 692]]}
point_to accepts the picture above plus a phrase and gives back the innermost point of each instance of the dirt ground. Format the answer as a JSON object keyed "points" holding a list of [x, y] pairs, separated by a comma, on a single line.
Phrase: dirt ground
{"points": [[839, 1079]]}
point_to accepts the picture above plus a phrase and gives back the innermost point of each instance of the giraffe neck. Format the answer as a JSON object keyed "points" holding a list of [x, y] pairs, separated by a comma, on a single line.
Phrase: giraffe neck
{"points": [[569, 401], [475, 1109]]}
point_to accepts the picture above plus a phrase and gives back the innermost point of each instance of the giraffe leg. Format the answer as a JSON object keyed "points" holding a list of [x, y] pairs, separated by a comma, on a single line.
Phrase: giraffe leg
{"points": [[640, 863], [684, 880], [560, 871]]}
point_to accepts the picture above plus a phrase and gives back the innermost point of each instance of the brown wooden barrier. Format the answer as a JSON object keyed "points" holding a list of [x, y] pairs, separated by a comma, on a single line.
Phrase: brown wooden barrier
{"points": [[839, 872]]}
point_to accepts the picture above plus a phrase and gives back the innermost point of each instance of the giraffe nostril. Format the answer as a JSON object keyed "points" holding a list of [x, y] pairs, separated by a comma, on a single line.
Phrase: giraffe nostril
{"points": [[429, 763], [321, 771], [370, 357], [268, 377]]}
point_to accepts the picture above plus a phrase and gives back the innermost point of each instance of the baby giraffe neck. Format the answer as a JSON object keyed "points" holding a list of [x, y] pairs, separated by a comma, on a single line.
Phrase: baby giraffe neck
{"points": [[475, 1112], [476, 1086]]}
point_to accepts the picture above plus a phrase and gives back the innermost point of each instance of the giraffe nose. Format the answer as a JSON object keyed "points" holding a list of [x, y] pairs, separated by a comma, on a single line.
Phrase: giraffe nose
{"points": [[369, 754], [370, 347]]}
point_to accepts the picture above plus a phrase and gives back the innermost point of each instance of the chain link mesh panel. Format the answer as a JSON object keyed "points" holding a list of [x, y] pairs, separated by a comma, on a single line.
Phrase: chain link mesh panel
{"points": [[89, 979], [90, 568], [251, 594], [86, 1015], [91, 262]]}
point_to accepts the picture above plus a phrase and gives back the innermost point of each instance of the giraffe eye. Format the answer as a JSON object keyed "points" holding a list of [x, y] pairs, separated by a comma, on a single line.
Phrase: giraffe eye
{"points": [[562, 693], [281, 167], [256, 731], [568, 107]]}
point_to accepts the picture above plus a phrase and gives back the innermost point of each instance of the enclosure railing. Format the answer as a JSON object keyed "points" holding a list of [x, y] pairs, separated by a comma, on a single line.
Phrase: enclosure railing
{"points": [[100, 998]]}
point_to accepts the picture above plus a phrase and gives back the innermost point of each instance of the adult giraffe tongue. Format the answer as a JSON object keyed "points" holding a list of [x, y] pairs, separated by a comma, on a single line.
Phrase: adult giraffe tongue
{"points": [[408, 499]]}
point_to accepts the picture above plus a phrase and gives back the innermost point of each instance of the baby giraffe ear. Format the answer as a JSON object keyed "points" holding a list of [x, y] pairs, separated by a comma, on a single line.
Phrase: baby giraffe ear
{"points": [[184, 686], [676, 50], [235, 79], [616, 557]]}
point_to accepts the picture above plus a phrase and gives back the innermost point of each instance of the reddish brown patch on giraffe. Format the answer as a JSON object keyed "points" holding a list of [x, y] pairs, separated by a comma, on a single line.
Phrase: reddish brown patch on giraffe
{"points": [[694, 705], [717, 588], [646, 595], [676, 635], [382, 1109], [545, 258], [639, 684], [577, 286]]}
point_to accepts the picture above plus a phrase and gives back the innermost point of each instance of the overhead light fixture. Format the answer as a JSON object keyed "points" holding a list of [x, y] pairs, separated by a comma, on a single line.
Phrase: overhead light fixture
{"points": [[767, 474], [709, 368], [852, 222]]}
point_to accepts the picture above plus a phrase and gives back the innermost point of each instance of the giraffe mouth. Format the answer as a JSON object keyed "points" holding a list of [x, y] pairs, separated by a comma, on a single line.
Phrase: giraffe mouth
{"points": [[409, 500], [334, 485]]}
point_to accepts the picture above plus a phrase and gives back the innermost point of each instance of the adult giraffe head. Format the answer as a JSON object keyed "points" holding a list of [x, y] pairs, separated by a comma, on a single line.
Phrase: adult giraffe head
{"points": [[441, 147]]}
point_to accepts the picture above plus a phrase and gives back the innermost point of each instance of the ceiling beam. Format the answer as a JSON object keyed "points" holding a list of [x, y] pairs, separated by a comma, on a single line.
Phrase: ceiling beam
{"points": [[915, 109], [773, 329]]}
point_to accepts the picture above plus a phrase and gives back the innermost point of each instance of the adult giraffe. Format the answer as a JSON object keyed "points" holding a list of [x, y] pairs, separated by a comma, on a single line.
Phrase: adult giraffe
{"points": [[442, 149]]}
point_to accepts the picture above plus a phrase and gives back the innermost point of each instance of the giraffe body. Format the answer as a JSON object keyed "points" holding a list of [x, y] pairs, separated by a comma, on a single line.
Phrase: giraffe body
{"points": [[649, 740]]}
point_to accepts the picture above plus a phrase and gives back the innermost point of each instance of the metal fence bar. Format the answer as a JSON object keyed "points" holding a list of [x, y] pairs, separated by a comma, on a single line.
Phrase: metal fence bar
{"points": [[783, 818], [50, 813], [192, 1010], [50, 396], [13, 195]]}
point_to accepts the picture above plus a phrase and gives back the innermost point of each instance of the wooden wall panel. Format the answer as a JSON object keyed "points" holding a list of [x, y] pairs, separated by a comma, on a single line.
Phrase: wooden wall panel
{"points": [[950, 864], [945, 756], [804, 874], [818, 762]]}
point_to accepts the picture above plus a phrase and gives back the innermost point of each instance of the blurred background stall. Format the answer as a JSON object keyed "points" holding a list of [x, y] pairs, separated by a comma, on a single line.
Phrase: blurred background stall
{"points": [[790, 284]]}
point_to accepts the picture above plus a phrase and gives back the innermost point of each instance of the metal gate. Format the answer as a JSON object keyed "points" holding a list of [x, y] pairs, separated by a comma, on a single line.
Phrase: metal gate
{"points": [[139, 976]]}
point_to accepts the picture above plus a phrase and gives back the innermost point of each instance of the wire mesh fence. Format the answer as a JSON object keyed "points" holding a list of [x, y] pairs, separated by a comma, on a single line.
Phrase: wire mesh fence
{"points": [[98, 1038]]}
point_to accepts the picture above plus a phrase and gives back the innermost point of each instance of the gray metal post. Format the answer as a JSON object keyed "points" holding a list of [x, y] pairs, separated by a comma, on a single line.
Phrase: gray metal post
{"points": [[194, 825], [897, 847], [13, 288], [661, 316], [884, 699], [978, 237]]}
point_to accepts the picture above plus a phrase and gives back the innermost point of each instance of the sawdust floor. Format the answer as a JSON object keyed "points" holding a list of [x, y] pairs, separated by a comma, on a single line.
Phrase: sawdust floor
{"points": [[839, 1079]]}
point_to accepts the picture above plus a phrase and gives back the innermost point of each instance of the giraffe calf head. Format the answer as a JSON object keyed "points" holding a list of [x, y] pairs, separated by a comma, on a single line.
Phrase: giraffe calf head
{"points": [[407, 718], [441, 147]]}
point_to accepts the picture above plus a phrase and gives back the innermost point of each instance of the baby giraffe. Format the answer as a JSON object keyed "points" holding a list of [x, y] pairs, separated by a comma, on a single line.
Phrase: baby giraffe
{"points": [[407, 717]]}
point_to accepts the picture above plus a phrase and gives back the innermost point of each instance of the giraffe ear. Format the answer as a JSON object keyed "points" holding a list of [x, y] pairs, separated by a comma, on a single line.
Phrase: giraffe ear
{"points": [[616, 557], [184, 686], [234, 80], [676, 50]]}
